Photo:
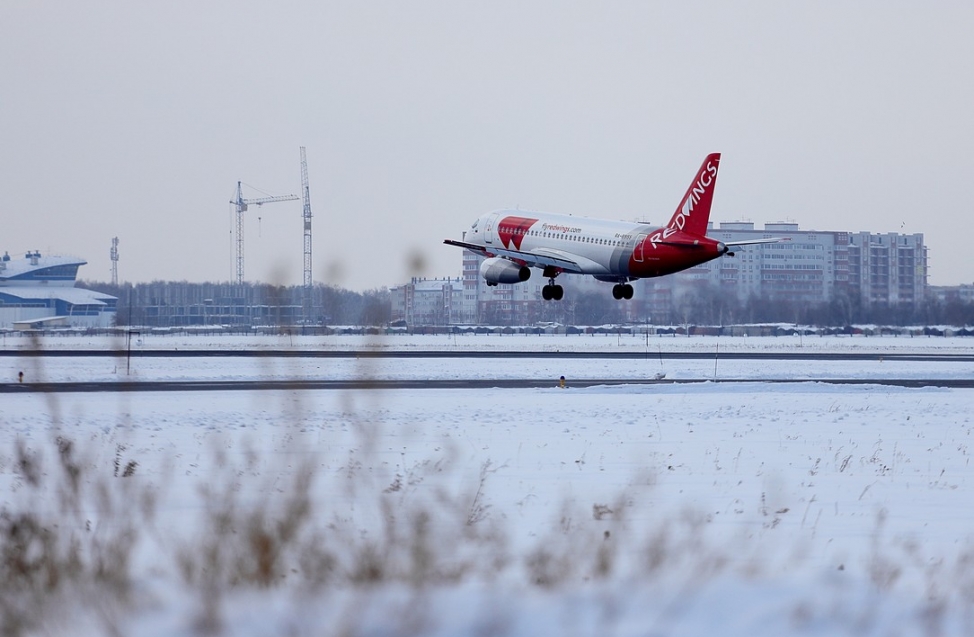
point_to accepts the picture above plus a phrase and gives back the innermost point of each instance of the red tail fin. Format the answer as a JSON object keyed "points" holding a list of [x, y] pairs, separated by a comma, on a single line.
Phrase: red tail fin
{"points": [[693, 212]]}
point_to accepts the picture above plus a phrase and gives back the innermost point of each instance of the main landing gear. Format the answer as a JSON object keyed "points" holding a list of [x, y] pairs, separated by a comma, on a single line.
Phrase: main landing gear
{"points": [[621, 291], [552, 292]]}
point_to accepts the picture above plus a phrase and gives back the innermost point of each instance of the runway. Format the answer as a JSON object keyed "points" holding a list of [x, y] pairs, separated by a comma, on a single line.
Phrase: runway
{"points": [[253, 369], [441, 354], [504, 383]]}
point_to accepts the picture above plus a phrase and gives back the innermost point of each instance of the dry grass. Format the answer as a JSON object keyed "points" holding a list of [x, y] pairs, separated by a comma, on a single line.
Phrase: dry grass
{"points": [[71, 538], [60, 563]]}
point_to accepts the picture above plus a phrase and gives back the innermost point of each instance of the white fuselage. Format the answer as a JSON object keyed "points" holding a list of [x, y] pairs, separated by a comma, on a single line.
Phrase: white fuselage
{"points": [[613, 250]]}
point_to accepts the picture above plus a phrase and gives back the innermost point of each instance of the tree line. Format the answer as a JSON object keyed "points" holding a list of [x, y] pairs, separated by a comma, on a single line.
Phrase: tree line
{"points": [[708, 305], [704, 305], [152, 303]]}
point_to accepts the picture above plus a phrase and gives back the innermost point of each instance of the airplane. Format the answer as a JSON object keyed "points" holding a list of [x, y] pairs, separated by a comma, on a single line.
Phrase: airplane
{"points": [[616, 252]]}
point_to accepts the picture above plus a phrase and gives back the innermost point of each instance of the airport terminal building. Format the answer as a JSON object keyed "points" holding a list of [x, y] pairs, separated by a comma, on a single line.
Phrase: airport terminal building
{"points": [[39, 291]]}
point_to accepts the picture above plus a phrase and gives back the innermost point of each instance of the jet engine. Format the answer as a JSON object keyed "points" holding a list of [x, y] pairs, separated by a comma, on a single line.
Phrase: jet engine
{"points": [[499, 270]]}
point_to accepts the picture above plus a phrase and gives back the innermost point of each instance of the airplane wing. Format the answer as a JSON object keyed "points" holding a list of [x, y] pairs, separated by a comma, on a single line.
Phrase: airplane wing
{"points": [[557, 258], [539, 257], [473, 247]]}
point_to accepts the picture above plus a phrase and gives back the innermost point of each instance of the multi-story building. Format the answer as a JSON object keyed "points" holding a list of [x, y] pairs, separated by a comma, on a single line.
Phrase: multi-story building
{"points": [[963, 293], [890, 268], [499, 304], [175, 304], [808, 266], [429, 302]]}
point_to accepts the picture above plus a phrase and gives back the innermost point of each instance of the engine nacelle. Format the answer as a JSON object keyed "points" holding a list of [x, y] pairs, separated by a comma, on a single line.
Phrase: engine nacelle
{"points": [[498, 270]]}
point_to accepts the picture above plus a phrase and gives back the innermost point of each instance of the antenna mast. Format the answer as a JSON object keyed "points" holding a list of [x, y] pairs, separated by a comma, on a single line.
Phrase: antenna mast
{"points": [[242, 205], [305, 190], [114, 256]]}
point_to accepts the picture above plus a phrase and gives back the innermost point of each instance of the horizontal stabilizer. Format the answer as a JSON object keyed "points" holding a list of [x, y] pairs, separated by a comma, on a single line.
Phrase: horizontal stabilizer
{"points": [[681, 244], [750, 242]]}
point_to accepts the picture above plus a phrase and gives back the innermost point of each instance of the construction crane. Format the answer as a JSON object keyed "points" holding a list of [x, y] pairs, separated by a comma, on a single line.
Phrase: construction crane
{"points": [[242, 205], [307, 235]]}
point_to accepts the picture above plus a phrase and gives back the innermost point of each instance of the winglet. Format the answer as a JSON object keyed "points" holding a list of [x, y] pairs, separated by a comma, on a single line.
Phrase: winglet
{"points": [[693, 213]]}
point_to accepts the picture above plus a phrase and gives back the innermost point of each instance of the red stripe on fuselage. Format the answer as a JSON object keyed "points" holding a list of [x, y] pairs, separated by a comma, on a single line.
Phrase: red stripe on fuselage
{"points": [[512, 230]]}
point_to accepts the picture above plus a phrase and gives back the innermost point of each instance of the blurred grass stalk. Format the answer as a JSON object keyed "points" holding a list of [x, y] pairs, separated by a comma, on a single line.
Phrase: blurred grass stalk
{"points": [[76, 533]]}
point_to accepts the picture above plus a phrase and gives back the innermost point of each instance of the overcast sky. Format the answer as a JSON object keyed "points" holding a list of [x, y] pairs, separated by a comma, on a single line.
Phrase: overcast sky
{"points": [[137, 119]]}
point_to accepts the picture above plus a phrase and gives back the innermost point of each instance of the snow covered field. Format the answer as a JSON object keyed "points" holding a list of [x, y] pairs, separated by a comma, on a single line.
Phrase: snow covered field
{"points": [[496, 342], [630, 510], [107, 369]]}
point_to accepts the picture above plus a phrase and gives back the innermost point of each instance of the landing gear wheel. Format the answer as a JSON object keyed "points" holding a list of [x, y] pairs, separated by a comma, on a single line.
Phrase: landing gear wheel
{"points": [[622, 291], [552, 292]]}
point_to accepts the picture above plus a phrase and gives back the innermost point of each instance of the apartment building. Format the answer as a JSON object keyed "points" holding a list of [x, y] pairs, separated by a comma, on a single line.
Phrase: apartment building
{"points": [[807, 266]]}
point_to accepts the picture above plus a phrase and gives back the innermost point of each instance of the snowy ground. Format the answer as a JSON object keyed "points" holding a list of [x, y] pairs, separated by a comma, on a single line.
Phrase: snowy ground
{"points": [[495, 342], [632, 510], [136, 368]]}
